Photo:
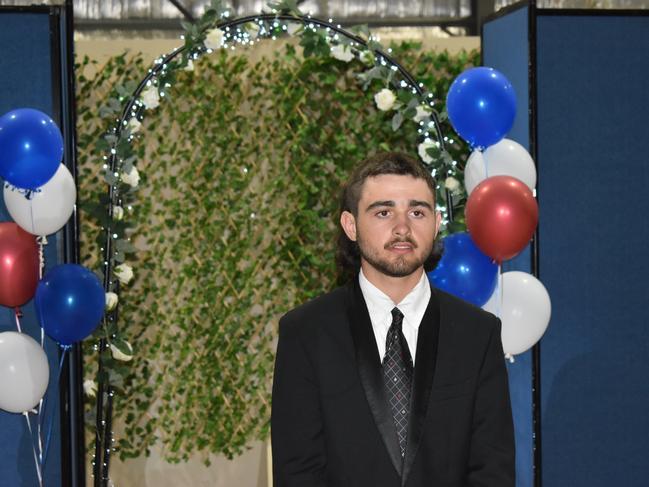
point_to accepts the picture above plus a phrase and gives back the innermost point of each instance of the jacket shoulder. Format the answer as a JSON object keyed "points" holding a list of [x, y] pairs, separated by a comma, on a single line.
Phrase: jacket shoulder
{"points": [[312, 314], [465, 312]]}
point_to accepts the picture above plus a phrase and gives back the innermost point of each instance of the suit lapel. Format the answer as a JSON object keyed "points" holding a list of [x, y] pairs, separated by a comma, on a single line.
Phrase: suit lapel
{"points": [[427, 339], [371, 373]]}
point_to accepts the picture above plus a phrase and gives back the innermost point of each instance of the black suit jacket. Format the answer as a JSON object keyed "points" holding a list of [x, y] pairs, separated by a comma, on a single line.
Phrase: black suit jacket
{"points": [[331, 424]]}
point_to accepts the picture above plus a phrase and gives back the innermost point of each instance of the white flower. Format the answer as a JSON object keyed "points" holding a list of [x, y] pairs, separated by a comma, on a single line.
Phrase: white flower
{"points": [[422, 112], [253, 30], [118, 213], [124, 273], [90, 387], [293, 27], [120, 355], [342, 52], [190, 65], [385, 99], [367, 57], [111, 301], [452, 184], [151, 97], [132, 178], [214, 39], [134, 125], [423, 147]]}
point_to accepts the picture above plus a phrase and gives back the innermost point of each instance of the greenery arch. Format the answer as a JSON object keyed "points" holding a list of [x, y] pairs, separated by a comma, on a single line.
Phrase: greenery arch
{"points": [[121, 156]]}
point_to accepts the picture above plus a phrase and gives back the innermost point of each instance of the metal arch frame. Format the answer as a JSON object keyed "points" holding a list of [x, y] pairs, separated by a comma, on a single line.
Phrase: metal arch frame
{"points": [[103, 435]]}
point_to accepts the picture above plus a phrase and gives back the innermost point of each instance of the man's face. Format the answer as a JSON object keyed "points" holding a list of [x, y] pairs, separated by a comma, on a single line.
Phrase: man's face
{"points": [[396, 224]]}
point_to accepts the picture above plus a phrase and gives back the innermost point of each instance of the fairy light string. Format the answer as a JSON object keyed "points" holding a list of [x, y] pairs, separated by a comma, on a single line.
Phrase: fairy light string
{"points": [[244, 31]]}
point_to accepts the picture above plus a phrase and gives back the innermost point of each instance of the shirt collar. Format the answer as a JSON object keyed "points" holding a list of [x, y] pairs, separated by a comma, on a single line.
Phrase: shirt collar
{"points": [[413, 305]]}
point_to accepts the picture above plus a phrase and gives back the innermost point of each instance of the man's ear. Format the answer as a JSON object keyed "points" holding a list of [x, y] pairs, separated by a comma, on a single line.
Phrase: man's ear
{"points": [[438, 222], [348, 222]]}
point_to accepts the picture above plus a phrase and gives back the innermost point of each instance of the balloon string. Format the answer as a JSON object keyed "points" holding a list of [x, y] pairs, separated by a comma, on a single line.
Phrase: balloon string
{"points": [[42, 241], [499, 289], [17, 313], [31, 435], [31, 215], [48, 438]]}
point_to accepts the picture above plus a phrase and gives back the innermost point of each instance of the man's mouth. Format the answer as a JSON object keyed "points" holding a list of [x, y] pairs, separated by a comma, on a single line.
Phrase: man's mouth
{"points": [[401, 246]]}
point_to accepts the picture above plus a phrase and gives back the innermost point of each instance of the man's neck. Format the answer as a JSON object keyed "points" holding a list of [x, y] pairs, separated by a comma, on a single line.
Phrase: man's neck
{"points": [[396, 288]]}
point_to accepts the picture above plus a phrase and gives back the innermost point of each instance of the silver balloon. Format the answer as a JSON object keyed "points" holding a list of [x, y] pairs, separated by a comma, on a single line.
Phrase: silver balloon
{"points": [[524, 310], [48, 208], [24, 372], [506, 158]]}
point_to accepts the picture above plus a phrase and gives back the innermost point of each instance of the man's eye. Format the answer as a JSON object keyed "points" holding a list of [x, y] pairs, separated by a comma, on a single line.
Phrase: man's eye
{"points": [[383, 213], [418, 213]]}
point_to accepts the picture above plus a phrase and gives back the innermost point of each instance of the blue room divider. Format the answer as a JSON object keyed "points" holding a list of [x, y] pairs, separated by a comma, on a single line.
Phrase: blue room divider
{"points": [[588, 104], [36, 68]]}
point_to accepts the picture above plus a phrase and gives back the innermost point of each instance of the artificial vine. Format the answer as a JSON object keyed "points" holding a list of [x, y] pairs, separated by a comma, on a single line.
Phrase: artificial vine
{"points": [[222, 217]]}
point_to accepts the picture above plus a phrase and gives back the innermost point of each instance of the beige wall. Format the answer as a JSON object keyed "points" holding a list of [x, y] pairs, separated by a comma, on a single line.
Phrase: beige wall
{"points": [[252, 468], [247, 470]]}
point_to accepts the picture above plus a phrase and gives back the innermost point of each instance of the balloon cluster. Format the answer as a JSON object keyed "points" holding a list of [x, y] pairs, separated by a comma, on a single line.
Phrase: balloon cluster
{"points": [[40, 194], [501, 211]]}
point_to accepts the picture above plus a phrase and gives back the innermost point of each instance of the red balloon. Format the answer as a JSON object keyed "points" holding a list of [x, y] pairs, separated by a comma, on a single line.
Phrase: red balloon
{"points": [[501, 215], [19, 265]]}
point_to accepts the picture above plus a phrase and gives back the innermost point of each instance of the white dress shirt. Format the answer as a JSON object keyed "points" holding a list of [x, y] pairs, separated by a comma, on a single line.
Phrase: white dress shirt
{"points": [[380, 306]]}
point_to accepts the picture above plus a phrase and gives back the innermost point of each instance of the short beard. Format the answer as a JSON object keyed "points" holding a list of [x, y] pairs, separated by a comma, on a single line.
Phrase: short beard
{"points": [[400, 267]]}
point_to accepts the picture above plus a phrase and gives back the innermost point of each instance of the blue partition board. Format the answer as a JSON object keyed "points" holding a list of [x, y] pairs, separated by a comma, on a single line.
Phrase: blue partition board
{"points": [[505, 48], [593, 101], [26, 81]]}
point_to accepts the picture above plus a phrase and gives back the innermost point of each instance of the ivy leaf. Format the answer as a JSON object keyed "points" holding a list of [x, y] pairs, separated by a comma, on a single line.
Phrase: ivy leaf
{"points": [[397, 120], [123, 245], [361, 30], [286, 7], [314, 43], [110, 178]]}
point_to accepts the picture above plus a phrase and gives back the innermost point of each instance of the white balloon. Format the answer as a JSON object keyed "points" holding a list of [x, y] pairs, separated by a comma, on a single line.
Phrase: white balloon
{"points": [[24, 372], [506, 158], [48, 208], [525, 311]]}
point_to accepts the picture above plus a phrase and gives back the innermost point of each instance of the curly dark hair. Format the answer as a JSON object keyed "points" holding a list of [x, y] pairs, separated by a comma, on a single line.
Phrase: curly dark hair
{"points": [[348, 255]]}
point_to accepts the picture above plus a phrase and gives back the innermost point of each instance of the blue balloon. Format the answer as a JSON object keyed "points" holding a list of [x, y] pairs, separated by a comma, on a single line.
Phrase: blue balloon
{"points": [[69, 302], [481, 105], [31, 148], [465, 271]]}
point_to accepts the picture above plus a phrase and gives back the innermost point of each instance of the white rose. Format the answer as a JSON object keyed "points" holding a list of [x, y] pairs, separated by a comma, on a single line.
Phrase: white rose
{"points": [[120, 355], [423, 112], [253, 30], [385, 99], [124, 273], [118, 213], [134, 125], [452, 184], [423, 147], [367, 57], [111, 301], [90, 387], [151, 97], [214, 39], [293, 27], [132, 178], [190, 66], [342, 52]]}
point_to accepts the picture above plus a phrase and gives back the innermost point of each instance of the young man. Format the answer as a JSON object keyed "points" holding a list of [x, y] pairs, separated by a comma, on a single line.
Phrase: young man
{"points": [[387, 382]]}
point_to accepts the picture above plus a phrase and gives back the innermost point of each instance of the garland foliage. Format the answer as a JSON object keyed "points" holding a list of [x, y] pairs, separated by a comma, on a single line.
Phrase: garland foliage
{"points": [[235, 224]]}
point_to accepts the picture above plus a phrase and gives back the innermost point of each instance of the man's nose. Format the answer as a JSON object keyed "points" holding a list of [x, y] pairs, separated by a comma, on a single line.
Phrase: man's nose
{"points": [[401, 225]]}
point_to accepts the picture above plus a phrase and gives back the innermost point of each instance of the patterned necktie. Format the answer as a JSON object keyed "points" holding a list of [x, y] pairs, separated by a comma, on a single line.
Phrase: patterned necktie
{"points": [[397, 374]]}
